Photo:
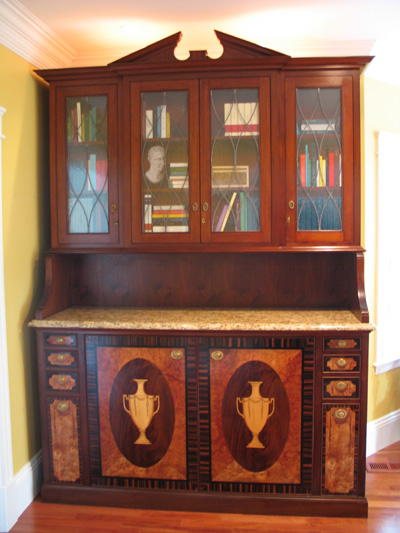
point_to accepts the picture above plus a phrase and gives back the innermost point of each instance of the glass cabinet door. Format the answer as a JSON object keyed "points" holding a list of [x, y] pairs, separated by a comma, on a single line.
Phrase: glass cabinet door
{"points": [[320, 191], [87, 175], [168, 184], [235, 157]]}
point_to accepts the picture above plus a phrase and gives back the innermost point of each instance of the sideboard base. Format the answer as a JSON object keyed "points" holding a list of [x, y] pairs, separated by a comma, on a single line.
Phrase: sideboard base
{"points": [[213, 503]]}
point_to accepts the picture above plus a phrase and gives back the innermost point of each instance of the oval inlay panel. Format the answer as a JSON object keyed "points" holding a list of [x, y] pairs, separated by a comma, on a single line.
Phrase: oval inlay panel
{"points": [[274, 433], [159, 432]]}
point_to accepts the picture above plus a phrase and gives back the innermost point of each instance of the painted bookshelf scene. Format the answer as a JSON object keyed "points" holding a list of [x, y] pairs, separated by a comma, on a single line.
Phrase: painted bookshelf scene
{"points": [[235, 161], [319, 159], [165, 162], [87, 164]]}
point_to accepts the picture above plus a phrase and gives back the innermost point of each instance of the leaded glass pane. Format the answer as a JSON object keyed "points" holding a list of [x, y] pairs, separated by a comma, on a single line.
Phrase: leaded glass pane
{"points": [[235, 161], [87, 164], [319, 159], [165, 162]]}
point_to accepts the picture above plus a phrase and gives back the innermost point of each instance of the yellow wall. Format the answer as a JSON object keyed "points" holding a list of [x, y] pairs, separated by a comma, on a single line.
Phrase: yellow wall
{"points": [[381, 112], [26, 235]]}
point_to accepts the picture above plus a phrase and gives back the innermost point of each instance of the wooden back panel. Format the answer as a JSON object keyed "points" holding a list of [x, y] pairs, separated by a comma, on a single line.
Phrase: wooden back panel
{"points": [[260, 280]]}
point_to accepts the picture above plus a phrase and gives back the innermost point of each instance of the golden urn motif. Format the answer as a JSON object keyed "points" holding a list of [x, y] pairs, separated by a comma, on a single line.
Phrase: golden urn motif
{"points": [[256, 411], [141, 409]]}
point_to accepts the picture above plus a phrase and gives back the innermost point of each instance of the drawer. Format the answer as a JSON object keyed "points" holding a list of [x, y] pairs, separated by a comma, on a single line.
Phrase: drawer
{"points": [[60, 381], [60, 339], [341, 363], [341, 388], [61, 359], [339, 344]]}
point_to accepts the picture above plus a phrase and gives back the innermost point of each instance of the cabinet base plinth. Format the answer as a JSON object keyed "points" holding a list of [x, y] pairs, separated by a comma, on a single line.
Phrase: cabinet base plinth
{"points": [[300, 505]]}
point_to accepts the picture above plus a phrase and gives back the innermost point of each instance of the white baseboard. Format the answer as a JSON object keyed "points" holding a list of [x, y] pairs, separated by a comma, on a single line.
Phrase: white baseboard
{"points": [[383, 432], [19, 493]]}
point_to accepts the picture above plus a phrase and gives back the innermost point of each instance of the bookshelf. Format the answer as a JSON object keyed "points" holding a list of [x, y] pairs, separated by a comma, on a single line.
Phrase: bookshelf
{"points": [[206, 256]]}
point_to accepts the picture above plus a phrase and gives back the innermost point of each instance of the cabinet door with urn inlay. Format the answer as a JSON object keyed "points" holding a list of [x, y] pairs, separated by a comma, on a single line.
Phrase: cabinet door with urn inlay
{"points": [[255, 425], [137, 413]]}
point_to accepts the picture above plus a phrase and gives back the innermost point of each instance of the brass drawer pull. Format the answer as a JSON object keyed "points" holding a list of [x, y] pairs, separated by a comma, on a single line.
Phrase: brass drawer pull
{"points": [[341, 385], [342, 363], [217, 355]]}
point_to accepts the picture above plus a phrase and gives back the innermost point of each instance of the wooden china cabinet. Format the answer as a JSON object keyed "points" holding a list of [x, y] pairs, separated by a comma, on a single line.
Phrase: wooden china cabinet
{"points": [[203, 334]]}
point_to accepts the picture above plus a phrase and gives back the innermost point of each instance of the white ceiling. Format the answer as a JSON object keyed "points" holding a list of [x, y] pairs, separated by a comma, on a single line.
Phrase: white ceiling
{"points": [[95, 32]]}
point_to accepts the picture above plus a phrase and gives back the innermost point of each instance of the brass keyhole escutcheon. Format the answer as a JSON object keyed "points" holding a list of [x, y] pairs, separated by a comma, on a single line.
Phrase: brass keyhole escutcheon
{"points": [[340, 415], [195, 206], [177, 354], [113, 208], [62, 407], [205, 206], [291, 204]]}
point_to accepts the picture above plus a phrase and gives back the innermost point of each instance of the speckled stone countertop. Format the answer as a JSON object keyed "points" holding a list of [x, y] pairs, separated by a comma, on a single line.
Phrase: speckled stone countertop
{"points": [[203, 319]]}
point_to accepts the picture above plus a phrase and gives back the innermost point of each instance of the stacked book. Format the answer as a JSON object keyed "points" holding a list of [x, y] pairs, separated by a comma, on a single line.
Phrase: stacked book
{"points": [[178, 176], [164, 218], [241, 119]]}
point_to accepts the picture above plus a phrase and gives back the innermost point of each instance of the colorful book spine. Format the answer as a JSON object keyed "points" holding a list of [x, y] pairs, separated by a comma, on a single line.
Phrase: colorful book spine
{"points": [[149, 124], [331, 169], [147, 213], [228, 212]]}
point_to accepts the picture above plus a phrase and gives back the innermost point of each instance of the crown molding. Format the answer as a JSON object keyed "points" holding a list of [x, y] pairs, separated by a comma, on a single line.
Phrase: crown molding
{"points": [[27, 36]]}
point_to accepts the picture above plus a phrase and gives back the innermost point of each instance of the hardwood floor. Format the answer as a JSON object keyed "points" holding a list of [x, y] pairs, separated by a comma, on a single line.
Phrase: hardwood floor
{"points": [[383, 492]]}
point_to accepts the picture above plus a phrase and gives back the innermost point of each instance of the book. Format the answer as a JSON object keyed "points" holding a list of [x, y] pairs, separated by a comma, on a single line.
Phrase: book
{"points": [[171, 229], [101, 175], [221, 218], [92, 168], [149, 129], [318, 126], [228, 211], [79, 122], [303, 180], [253, 214], [147, 213]]}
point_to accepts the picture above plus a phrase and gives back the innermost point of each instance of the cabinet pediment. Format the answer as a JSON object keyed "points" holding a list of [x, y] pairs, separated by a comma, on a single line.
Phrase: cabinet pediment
{"points": [[233, 48]]}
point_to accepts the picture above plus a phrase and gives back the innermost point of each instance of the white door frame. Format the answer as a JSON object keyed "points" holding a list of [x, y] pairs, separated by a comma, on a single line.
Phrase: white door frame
{"points": [[6, 457]]}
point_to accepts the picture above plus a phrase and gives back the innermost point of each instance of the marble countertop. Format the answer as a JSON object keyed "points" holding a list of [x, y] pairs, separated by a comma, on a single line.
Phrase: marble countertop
{"points": [[203, 319]]}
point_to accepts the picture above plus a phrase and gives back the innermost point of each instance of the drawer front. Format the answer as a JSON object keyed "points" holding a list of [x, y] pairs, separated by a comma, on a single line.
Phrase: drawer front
{"points": [[341, 363], [341, 388], [339, 344], [60, 339], [61, 359], [62, 382]]}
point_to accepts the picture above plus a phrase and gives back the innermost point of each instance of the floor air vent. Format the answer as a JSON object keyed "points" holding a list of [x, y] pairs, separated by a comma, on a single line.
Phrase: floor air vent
{"points": [[383, 465]]}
